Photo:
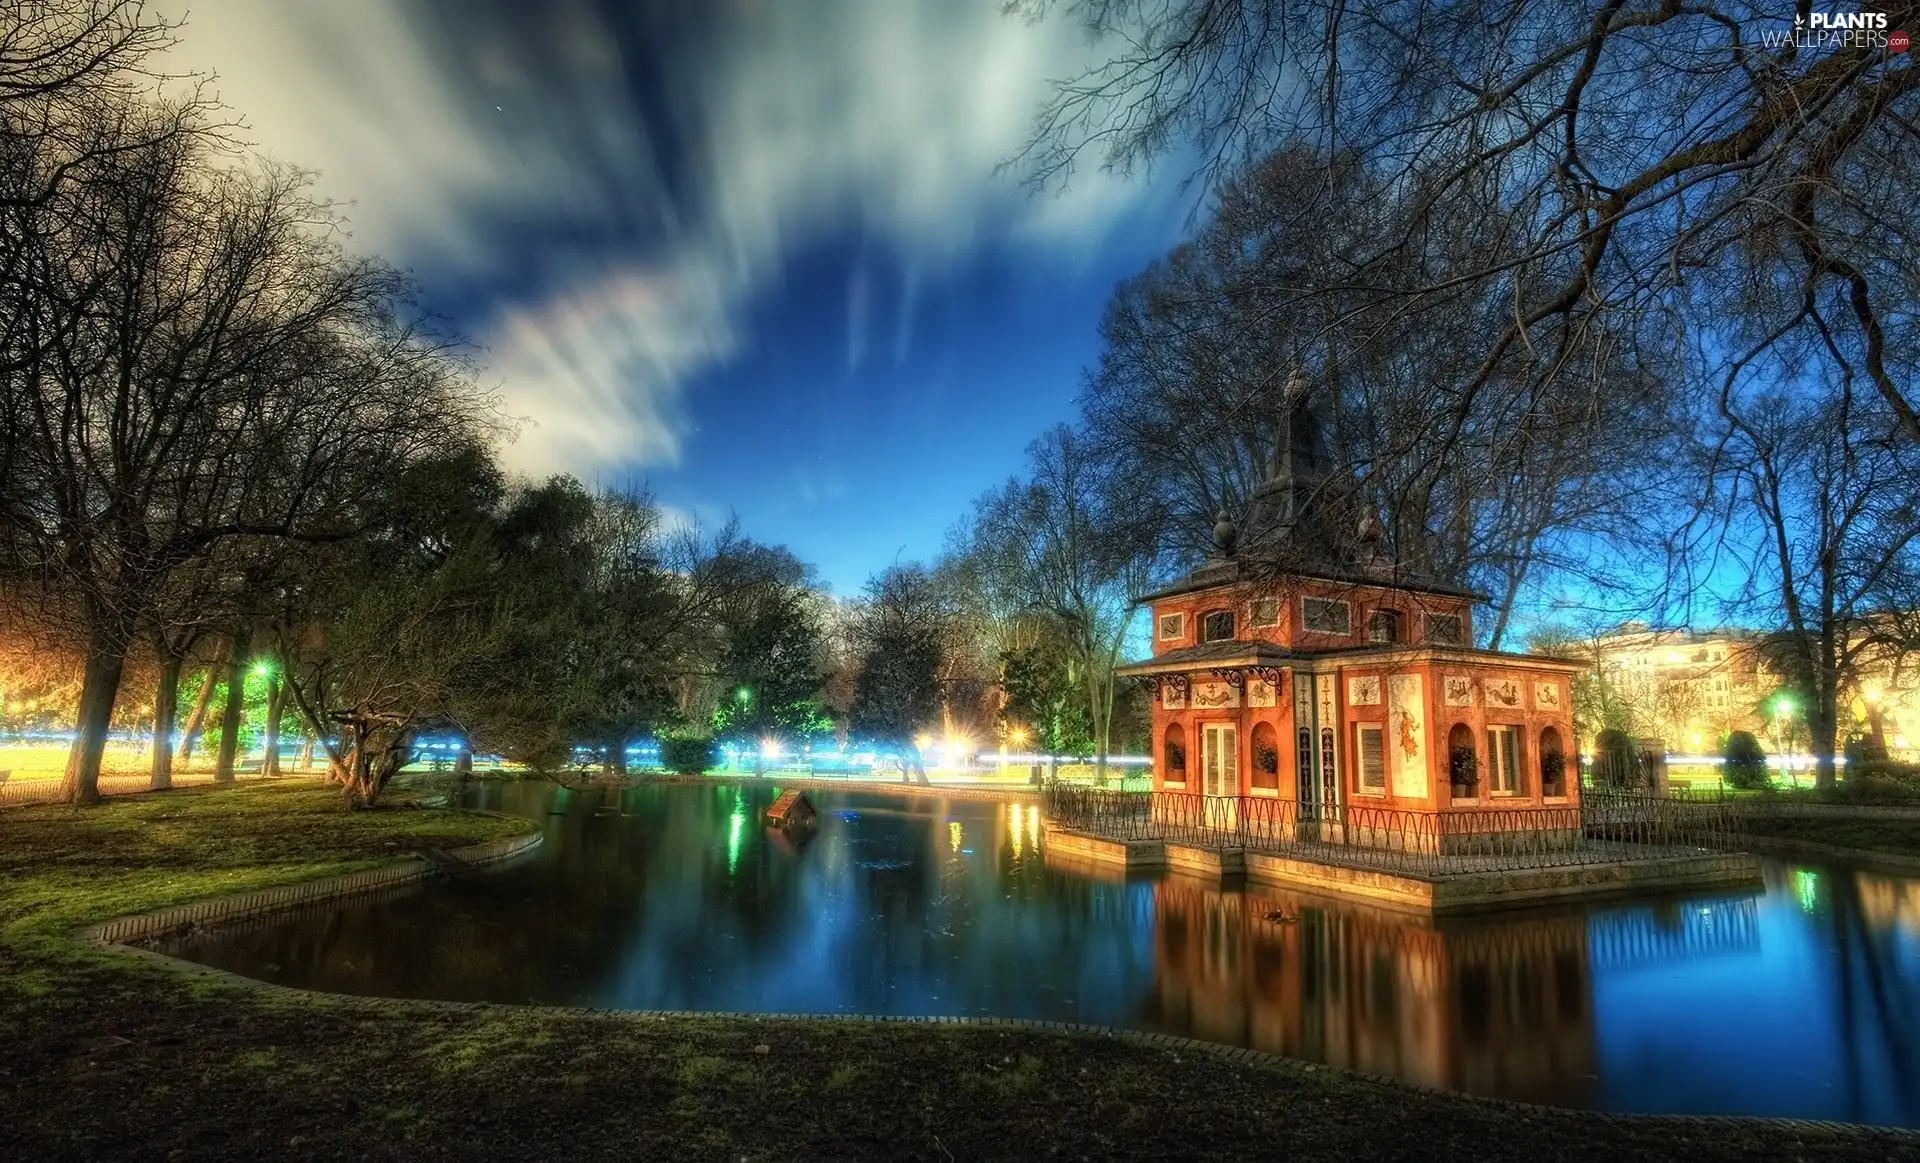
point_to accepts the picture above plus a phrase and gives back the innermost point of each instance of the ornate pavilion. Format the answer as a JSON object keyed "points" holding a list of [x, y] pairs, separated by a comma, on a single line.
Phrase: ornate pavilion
{"points": [[1300, 663]]}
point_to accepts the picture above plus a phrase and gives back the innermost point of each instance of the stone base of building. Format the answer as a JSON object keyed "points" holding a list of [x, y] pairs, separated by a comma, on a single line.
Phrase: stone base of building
{"points": [[1435, 895]]}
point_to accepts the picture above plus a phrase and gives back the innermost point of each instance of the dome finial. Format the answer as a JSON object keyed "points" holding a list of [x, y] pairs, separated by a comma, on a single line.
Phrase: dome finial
{"points": [[1224, 533]]}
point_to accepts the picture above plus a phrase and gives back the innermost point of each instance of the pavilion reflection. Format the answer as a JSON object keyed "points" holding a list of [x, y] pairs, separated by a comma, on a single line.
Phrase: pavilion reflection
{"points": [[1501, 1006]]}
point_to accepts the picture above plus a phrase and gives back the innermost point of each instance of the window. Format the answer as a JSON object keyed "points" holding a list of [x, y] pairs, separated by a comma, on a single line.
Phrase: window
{"points": [[1266, 612], [1172, 626], [1383, 626], [1371, 744], [1503, 760], [1446, 630], [1216, 626], [1326, 617]]}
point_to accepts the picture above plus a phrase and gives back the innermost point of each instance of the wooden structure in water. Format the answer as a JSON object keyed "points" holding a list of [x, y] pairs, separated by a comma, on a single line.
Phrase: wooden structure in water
{"points": [[792, 810]]}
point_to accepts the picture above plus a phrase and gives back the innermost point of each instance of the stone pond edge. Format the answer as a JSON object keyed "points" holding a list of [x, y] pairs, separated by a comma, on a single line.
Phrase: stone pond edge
{"points": [[114, 935]]}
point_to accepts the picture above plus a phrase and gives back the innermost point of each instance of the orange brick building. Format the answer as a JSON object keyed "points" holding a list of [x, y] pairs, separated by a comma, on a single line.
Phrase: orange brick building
{"points": [[1302, 664]]}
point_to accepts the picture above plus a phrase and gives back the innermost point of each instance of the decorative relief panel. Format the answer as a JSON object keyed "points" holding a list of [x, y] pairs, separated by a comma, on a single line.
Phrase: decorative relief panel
{"points": [[1173, 692], [1260, 692], [1546, 696], [1215, 695], [1458, 689], [1364, 691], [1503, 693]]}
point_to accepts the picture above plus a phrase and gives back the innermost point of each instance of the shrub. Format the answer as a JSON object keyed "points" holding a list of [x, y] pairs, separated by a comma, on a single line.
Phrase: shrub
{"points": [[1616, 759], [1743, 763], [1553, 770], [1464, 769], [688, 756]]}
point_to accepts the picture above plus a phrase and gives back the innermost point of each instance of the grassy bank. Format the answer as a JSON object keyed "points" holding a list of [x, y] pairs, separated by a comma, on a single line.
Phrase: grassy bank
{"points": [[1896, 837], [108, 1057]]}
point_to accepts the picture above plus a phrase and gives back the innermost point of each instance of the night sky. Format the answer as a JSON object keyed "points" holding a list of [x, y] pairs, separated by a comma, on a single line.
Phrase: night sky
{"points": [[755, 255]]}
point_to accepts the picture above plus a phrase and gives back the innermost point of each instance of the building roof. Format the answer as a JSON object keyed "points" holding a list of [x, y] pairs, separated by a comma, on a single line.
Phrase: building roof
{"points": [[1234, 654]]}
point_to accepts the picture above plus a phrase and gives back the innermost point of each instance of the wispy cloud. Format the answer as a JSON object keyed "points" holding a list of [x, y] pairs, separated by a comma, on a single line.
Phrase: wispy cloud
{"points": [[509, 154]]}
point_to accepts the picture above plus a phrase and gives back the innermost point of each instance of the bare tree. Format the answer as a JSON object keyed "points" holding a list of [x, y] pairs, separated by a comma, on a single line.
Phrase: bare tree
{"points": [[1641, 152], [1823, 490], [1204, 350], [1073, 544], [199, 363]]}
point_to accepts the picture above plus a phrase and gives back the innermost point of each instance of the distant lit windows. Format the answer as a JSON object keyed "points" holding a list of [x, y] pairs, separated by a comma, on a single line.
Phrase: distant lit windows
{"points": [[1216, 626], [1446, 630], [1172, 626], [1266, 612], [1325, 616]]}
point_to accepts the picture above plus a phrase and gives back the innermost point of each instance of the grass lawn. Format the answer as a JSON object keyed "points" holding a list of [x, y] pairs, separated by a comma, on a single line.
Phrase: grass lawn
{"points": [[105, 1057]]}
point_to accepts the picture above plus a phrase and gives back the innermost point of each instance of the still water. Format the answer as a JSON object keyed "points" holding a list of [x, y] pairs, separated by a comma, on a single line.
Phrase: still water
{"points": [[1801, 1000]]}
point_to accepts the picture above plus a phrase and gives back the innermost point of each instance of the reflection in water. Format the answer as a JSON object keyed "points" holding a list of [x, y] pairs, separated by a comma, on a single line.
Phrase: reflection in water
{"points": [[1492, 1008], [1803, 1001]]}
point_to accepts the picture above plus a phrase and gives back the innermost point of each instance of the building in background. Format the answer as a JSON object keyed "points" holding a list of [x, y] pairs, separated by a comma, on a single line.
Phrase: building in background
{"points": [[1691, 688], [1688, 688]]}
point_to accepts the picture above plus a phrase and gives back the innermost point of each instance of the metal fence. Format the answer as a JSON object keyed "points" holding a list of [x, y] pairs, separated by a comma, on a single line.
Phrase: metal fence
{"points": [[1606, 826]]}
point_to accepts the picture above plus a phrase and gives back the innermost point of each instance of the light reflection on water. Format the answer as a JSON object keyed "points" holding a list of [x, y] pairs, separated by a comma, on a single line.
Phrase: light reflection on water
{"points": [[1801, 1000]]}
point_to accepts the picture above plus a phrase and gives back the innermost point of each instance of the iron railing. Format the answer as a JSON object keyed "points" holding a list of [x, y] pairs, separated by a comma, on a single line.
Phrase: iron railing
{"points": [[1606, 826]]}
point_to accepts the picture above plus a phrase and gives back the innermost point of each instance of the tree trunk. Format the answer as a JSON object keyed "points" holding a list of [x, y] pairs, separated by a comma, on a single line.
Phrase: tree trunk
{"points": [[236, 708], [197, 718], [106, 661], [616, 757], [270, 730], [463, 760], [1822, 728], [166, 709], [306, 752]]}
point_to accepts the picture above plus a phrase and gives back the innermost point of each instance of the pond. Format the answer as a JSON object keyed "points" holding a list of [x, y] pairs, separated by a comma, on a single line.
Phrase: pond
{"points": [[1800, 1000]]}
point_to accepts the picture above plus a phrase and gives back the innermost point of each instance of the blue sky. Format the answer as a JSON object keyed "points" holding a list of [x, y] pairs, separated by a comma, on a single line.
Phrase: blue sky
{"points": [[755, 254]]}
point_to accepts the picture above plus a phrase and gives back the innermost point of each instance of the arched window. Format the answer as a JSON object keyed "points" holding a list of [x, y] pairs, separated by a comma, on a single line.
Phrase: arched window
{"points": [[1266, 758], [1553, 763], [1463, 765], [1173, 756], [1216, 626]]}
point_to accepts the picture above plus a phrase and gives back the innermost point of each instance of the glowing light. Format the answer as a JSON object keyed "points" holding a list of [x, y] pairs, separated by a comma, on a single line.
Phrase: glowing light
{"points": [[1872, 695], [263, 668], [1806, 883], [1013, 818], [743, 696], [770, 748], [1018, 735], [735, 832], [953, 834], [956, 748], [1697, 740], [922, 742], [1033, 824], [1783, 706]]}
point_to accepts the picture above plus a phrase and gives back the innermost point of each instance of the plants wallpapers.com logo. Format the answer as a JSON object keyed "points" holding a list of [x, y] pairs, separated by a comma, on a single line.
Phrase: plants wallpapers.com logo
{"points": [[1838, 30]]}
